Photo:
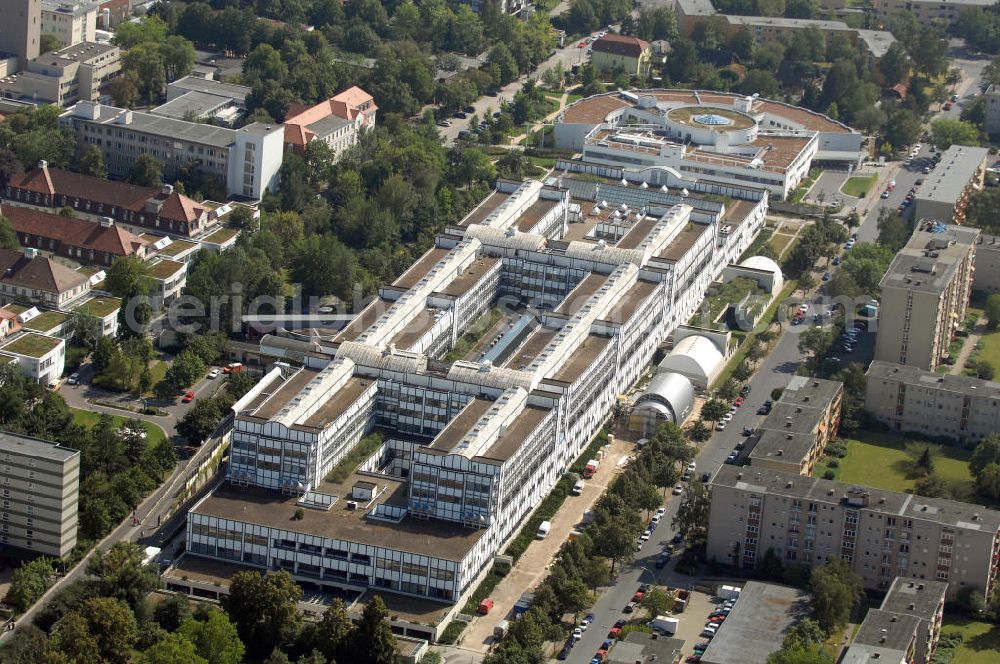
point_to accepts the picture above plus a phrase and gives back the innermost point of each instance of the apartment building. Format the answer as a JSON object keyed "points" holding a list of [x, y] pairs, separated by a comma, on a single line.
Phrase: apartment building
{"points": [[692, 13], [469, 445], [945, 193], [987, 277], [925, 402], [205, 100], [794, 434], [881, 534], [721, 137], [246, 159], [70, 21], [40, 489], [905, 628], [64, 77], [77, 239], [22, 31], [338, 121], [926, 11], [992, 122], [925, 295], [27, 276], [614, 52]]}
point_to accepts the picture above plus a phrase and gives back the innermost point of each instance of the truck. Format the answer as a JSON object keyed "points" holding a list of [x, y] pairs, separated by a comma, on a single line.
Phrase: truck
{"points": [[485, 606], [728, 592], [523, 604], [664, 625], [500, 630], [591, 468], [543, 529], [578, 488]]}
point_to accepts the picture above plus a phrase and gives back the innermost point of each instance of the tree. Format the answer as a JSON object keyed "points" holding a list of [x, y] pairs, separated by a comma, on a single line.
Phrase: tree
{"points": [[925, 463], [264, 610], [199, 422], [47, 43], [806, 282], [714, 410], [756, 353], [816, 341], [986, 452], [30, 582], [185, 370], [122, 574], [811, 654], [92, 162], [171, 613], [931, 486], [102, 629], [215, 638], [682, 61], [8, 237], [172, 649], [374, 642], [893, 231], [691, 519], [657, 602], [895, 64], [835, 590], [125, 89], [984, 370], [947, 132], [902, 128], [970, 599], [615, 540], [699, 432], [333, 633], [324, 266], [146, 171], [729, 390]]}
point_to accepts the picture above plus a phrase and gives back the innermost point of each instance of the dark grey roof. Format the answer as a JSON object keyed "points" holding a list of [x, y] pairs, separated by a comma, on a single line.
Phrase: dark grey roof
{"points": [[929, 260], [915, 376], [34, 447], [757, 624]]}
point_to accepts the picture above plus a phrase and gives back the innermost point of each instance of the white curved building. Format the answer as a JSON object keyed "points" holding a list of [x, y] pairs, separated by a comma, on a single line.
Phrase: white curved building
{"points": [[669, 398], [721, 137], [696, 358], [766, 264]]}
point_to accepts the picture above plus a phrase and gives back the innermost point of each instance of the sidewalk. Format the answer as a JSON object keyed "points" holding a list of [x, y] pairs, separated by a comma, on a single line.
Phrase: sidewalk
{"points": [[533, 565]]}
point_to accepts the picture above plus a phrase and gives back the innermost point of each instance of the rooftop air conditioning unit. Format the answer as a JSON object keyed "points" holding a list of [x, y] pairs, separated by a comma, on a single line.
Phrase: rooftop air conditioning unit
{"points": [[352, 504]]}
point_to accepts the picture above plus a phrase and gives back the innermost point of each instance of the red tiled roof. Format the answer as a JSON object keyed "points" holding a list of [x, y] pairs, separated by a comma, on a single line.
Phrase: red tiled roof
{"points": [[67, 183], [74, 232], [344, 104], [38, 273], [631, 47], [178, 207]]}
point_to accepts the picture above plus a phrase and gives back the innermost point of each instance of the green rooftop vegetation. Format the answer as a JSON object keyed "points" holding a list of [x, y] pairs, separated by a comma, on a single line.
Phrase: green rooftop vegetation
{"points": [[722, 297], [164, 269], [31, 345], [88, 270], [177, 247], [47, 321], [221, 235], [100, 306], [16, 309], [364, 449]]}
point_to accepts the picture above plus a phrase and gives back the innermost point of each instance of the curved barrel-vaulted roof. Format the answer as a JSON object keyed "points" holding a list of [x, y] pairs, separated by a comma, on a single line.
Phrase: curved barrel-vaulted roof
{"points": [[695, 357], [669, 394]]}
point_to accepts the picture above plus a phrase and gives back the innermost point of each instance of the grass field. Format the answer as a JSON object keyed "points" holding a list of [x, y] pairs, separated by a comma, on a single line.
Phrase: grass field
{"points": [[982, 640], [157, 370], [990, 350], [858, 186], [881, 461], [154, 434], [779, 243]]}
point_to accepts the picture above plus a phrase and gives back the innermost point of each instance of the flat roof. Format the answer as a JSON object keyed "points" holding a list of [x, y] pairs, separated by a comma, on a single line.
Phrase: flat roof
{"points": [[579, 296], [30, 344], [420, 268], [333, 407], [532, 346], [918, 597], [627, 305], [35, 447], [778, 445], [814, 392], [581, 358], [485, 208], [364, 319], [778, 483], [638, 233], [165, 268], [887, 629], [218, 88], [159, 125], [515, 435], [471, 276], [193, 103], [435, 538], [948, 180], [683, 241], [917, 377], [931, 257], [460, 425], [757, 624], [177, 247], [416, 328], [534, 213], [46, 321]]}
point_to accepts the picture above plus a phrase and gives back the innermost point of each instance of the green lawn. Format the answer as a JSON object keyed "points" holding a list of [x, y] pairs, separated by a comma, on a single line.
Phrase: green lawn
{"points": [[157, 370], [881, 461], [991, 349], [982, 640], [858, 186], [779, 243], [88, 419]]}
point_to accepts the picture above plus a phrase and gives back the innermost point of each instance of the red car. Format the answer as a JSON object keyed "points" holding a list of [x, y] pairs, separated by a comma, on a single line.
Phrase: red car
{"points": [[615, 631], [582, 44], [189, 397], [738, 402], [637, 597]]}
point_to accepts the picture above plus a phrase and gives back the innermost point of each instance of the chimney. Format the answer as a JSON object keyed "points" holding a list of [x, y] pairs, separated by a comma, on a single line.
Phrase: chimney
{"points": [[125, 117], [107, 222], [42, 164], [167, 189]]}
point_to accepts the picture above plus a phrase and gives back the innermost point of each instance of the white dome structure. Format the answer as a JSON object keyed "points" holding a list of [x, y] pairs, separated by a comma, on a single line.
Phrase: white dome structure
{"points": [[766, 264], [696, 358], [669, 398]]}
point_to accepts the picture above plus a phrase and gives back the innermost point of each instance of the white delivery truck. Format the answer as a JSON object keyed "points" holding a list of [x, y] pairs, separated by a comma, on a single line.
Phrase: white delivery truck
{"points": [[665, 624], [500, 630], [543, 529]]}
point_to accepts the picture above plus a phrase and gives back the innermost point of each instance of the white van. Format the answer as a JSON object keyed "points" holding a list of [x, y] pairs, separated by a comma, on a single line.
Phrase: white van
{"points": [[578, 488], [543, 529]]}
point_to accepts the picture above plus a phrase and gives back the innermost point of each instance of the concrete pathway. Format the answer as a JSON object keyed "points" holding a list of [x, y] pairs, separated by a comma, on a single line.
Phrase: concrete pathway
{"points": [[533, 566], [515, 140], [969, 346]]}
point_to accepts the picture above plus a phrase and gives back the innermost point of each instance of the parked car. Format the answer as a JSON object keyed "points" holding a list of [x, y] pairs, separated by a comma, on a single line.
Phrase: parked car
{"points": [[731, 459], [739, 402], [74, 379], [214, 373], [629, 608], [836, 260], [615, 631], [826, 276], [885, 194], [720, 426], [678, 490], [705, 477], [188, 397]]}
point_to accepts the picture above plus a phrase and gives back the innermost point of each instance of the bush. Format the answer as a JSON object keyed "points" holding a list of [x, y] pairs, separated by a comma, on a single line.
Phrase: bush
{"points": [[452, 632], [829, 475], [947, 646], [833, 463], [838, 450]]}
